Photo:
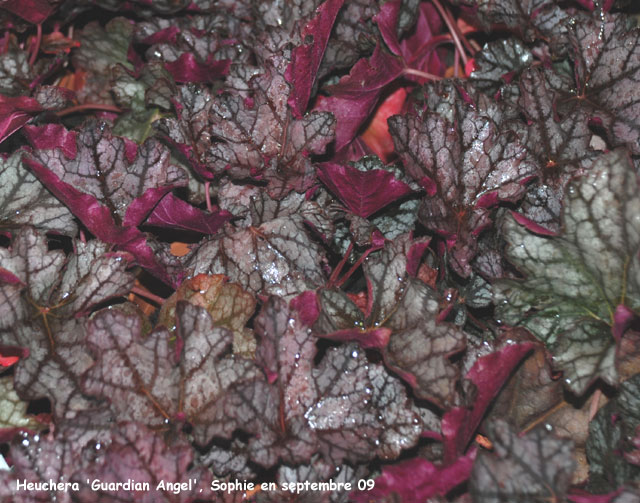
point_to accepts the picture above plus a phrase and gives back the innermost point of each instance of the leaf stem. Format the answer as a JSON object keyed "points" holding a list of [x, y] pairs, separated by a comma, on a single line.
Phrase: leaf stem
{"points": [[102, 107], [595, 404], [355, 266], [452, 28], [544, 417], [208, 196], [147, 295], [456, 64], [338, 269], [420, 73], [35, 49]]}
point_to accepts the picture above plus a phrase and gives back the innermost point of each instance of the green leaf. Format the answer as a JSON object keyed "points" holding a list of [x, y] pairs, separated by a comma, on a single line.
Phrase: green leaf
{"points": [[575, 281], [143, 97], [13, 411]]}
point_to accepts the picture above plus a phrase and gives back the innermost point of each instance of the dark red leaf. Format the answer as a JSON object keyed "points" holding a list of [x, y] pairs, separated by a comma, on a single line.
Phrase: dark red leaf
{"points": [[188, 69], [34, 11], [418, 480], [305, 59], [489, 374], [363, 192], [353, 99], [15, 113], [173, 212]]}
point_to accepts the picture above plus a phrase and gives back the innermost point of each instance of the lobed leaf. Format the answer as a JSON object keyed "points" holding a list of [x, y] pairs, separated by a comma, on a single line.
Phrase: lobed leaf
{"points": [[576, 280], [530, 468]]}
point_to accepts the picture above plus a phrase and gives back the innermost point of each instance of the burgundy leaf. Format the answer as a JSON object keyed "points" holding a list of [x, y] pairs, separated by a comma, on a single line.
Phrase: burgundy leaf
{"points": [[187, 69], [34, 11], [318, 470], [413, 48], [363, 192], [15, 113], [346, 407], [42, 460], [353, 99], [560, 146], [353, 36], [530, 18], [488, 374], [401, 318], [305, 59], [387, 20], [418, 480], [285, 351], [127, 179], [175, 213], [251, 136], [109, 183], [361, 411], [498, 63]]}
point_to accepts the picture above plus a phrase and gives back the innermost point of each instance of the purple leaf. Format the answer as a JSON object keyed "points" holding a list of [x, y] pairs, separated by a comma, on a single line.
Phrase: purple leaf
{"points": [[353, 99], [400, 311], [498, 63], [175, 213], [40, 459], [274, 258], [251, 136], [560, 145], [387, 20], [363, 192], [188, 69], [418, 480], [109, 183], [15, 113], [34, 11], [529, 18], [488, 374], [345, 407], [305, 59], [361, 410]]}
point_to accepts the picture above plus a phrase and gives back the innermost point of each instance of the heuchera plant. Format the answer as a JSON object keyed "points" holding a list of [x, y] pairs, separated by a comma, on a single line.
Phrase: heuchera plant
{"points": [[388, 244]]}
